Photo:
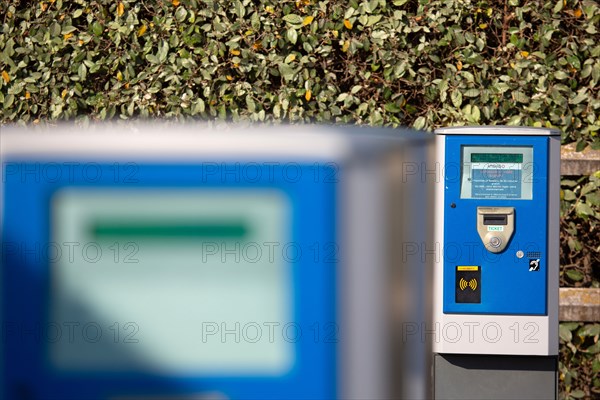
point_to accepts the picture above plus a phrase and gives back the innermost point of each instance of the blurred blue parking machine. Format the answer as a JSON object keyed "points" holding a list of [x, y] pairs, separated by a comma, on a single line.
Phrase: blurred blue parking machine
{"points": [[188, 262]]}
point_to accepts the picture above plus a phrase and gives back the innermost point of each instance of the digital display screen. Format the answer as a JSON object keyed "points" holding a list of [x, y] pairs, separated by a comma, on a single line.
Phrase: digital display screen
{"points": [[496, 158], [497, 172], [174, 282]]}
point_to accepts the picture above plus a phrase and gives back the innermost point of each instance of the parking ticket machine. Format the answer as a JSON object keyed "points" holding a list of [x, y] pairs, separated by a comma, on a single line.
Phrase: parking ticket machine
{"points": [[496, 274], [168, 261]]}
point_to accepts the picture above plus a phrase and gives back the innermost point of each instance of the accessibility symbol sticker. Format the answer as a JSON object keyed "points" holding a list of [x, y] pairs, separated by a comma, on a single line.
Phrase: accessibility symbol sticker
{"points": [[534, 264]]}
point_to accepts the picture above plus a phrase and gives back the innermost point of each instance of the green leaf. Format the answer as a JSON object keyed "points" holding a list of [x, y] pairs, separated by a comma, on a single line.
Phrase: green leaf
{"points": [[420, 123], [180, 14], [163, 51], [594, 349], [596, 73], [514, 120], [558, 7], [560, 74], [293, 19], [250, 104], [67, 29], [574, 61], [583, 209], [578, 394], [55, 29], [569, 195], [579, 98], [341, 97], [593, 198], [198, 106], [568, 183], [589, 330], [571, 325], [130, 108], [480, 43], [373, 19], [456, 98], [564, 333], [97, 29], [152, 58], [589, 187], [292, 35], [596, 366], [82, 71], [520, 97], [574, 245], [475, 114], [240, 10], [289, 58], [443, 88], [392, 108], [286, 72], [8, 101], [574, 275]]}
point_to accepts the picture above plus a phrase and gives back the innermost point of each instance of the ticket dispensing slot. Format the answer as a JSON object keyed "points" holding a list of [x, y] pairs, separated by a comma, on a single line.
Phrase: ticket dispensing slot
{"points": [[495, 226]]}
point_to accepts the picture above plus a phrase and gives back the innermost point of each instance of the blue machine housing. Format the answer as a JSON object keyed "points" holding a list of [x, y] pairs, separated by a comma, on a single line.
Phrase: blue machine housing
{"points": [[25, 289], [507, 285]]}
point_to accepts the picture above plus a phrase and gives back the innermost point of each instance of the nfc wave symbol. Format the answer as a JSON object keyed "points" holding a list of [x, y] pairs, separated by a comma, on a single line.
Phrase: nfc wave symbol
{"points": [[463, 284]]}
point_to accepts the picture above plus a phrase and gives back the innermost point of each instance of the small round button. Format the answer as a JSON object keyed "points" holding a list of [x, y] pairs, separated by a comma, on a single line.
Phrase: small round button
{"points": [[520, 254], [495, 241]]}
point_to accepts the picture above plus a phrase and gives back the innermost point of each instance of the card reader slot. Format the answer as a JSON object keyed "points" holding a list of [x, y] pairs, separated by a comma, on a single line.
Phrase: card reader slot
{"points": [[495, 219]]}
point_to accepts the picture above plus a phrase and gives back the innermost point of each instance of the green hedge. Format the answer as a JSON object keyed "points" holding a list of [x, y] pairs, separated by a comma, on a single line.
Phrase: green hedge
{"points": [[579, 361], [579, 366], [378, 62], [580, 231]]}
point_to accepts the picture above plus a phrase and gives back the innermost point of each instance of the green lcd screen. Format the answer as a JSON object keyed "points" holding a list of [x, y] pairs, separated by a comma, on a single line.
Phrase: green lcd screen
{"points": [[496, 158]]}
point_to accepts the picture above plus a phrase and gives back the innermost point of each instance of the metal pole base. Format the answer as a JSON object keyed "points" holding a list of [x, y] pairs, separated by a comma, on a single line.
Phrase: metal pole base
{"points": [[462, 376]]}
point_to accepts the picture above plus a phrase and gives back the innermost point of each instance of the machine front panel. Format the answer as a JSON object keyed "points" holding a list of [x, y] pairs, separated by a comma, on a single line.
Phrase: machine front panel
{"points": [[495, 225], [173, 280]]}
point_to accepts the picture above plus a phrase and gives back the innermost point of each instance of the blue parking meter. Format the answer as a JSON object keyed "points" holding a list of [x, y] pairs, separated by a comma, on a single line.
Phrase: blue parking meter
{"points": [[496, 277], [174, 261]]}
